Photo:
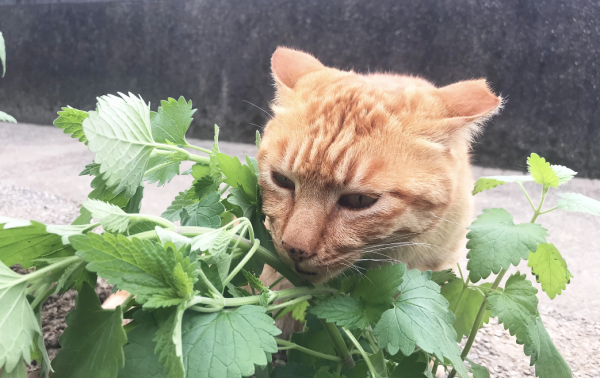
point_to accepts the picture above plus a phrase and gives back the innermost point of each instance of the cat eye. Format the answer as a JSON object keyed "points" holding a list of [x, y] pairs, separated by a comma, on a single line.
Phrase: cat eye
{"points": [[357, 201], [283, 181]]}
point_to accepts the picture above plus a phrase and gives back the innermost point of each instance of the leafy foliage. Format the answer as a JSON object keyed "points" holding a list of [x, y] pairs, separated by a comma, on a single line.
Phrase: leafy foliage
{"points": [[172, 120], [579, 203], [466, 302], [550, 269], [495, 242], [70, 120], [541, 171], [158, 276], [100, 353]]}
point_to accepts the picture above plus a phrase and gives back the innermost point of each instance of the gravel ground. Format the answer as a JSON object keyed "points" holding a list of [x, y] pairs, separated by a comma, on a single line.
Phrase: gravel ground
{"points": [[578, 339]]}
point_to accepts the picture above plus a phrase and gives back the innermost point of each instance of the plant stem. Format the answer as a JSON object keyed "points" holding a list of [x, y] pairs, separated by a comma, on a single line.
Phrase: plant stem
{"points": [[539, 208], [211, 287], [288, 303], [290, 345], [460, 296], [190, 157], [126, 305], [371, 339], [478, 319], [39, 273], [198, 148], [157, 167], [239, 266], [435, 366], [547, 211], [224, 189], [526, 195], [338, 341], [362, 352], [276, 282], [152, 218], [278, 295]]}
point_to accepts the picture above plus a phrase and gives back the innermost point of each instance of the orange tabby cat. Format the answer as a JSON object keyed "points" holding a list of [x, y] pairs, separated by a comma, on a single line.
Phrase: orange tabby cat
{"points": [[371, 167]]}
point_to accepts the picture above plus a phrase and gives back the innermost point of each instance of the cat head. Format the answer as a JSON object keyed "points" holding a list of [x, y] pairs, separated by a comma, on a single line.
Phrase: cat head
{"points": [[349, 160]]}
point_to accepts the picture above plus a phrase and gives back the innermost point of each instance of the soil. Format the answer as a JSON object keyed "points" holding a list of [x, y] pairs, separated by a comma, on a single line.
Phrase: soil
{"points": [[578, 339]]}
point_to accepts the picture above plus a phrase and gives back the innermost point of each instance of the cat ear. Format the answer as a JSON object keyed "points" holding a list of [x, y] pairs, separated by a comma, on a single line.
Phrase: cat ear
{"points": [[469, 100], [288, 66], [468, 103]]}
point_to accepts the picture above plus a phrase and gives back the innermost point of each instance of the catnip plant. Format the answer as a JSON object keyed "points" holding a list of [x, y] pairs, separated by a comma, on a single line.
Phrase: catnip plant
{"points": [[3, 116], [197, 307]]}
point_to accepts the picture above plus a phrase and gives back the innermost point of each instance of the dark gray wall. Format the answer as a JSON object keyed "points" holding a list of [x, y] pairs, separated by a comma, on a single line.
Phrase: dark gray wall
{"points": [[542, 56]]}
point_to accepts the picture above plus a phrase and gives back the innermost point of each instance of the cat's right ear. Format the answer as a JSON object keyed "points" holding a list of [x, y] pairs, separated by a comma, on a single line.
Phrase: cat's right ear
{"points": [[288, 66]]}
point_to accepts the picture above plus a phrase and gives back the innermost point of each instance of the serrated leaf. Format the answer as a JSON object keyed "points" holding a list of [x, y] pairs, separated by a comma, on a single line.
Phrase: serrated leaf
{"points": [[541, 171], [4, 117], [317, 340], [205, 213], [443, 276], [18, 323], [134, 205], [172, 120], [563, 173], [173, 212], [550, 269], [579, 203], [101, 191], [238, 175], [22, 243], [140, 360], [162, 175], [100, 353], [379, 285], [155, 274], [70, 121], [215, 172], [173, 237], [466, 310], [549, 364], [490, 182], [516, 308], [420, 317], [200, 170], [495, 242], [204, 186], [254, 281], [169, 347], [119, 134], [345, 311], [227, 344], [111, 217], [238, 198], [2, 54]]}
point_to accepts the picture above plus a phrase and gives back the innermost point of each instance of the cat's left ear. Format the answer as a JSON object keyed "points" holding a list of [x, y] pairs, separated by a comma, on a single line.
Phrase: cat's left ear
{"points": [[289, 66], [469, 103]]}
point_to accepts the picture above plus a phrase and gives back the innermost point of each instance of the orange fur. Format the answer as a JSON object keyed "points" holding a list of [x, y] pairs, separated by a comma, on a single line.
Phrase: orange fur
{"points": [[397, 138]]}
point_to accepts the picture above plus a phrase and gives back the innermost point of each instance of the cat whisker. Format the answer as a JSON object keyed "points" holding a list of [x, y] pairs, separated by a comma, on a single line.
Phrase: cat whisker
{"points": [[269, 114]]}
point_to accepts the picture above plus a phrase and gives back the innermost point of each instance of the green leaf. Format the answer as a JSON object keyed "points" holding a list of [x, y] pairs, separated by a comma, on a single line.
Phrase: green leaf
{"points": [[579, 203], [162, 175], [564, 174], [238, 198], [204, 186], [205, 213], [2, 54], [111, 217], [541, 171], [18, 324], [215, 172], [119, 134], [169, 347], [238, 175], [380, 284], [227, 344], [4, 117], [101, 191], [345, 311], [549, 364], [443, 276], [173, 212], [465, 311], [490, 182], [23, 243], [420, 317], [478, 371], [159, 276], [550, 269], [70, 120], [200, 170], [172, 121], [516, 308], [140, 360], [257, 139], [495, 242], [410, 367], [100, 353], [317, 340], [173, 237]]}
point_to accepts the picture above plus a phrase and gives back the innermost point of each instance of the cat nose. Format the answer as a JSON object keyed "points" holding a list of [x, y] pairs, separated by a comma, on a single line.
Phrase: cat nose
{"points": [[297, 254]]}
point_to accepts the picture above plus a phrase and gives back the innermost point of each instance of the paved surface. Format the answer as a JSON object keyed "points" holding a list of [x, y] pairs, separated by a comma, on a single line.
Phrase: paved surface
{"points": [[42, 160]]}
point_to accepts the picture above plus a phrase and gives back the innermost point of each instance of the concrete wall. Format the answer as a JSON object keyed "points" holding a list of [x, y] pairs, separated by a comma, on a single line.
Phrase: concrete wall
{"points": [[542, 56]]}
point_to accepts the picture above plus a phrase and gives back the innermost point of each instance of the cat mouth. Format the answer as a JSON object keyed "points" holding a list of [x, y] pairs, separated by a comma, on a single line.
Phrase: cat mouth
{"points": [[299, 270]]}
